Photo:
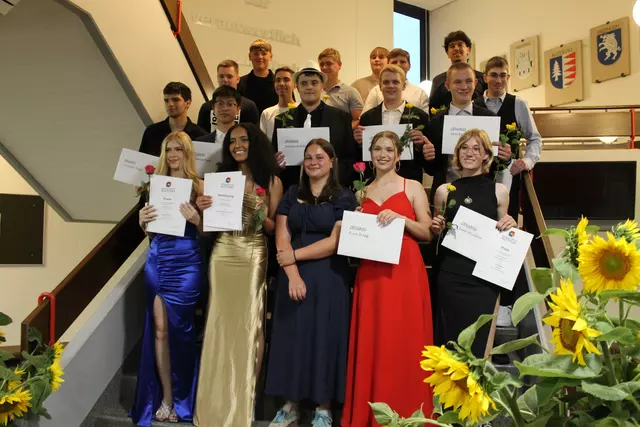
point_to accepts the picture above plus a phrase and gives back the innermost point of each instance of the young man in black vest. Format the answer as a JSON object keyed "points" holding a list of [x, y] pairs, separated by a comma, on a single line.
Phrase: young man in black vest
{"points": [[177, 100], [511, 109], [312, 112], [258, 84], [395, 110], [461, 82], [228, 75], [457, 45]]}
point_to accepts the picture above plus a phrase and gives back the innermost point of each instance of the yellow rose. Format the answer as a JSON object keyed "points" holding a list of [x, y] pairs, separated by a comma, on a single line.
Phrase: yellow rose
{"points": [[325, 96], [409, 105], [512, 126], [433, 111], [451, 188], [291, 105]]}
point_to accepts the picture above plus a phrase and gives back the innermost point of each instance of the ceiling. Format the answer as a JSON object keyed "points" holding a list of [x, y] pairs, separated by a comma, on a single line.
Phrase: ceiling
{"points": [[428, 4]]}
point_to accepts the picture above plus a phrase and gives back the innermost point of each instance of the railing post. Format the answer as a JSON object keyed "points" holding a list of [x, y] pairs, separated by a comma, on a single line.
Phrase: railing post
{"points": [[52, 314], [179, 20], [632, 141]]}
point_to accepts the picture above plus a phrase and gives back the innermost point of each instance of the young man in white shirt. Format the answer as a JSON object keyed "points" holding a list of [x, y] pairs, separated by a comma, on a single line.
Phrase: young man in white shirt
{"points": [[412, 93], [338, 94], [284, 87], [377, 61]]}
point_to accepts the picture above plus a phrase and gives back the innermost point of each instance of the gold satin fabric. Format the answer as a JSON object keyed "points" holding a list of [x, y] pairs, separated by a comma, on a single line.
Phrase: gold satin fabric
{"points": [[227, 380]]}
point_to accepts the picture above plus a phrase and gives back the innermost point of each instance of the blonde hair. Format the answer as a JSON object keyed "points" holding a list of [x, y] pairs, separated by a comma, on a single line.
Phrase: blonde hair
{"points": [[483, 138], [391, 68], [260, 44], [189, 161], [330, 53]]}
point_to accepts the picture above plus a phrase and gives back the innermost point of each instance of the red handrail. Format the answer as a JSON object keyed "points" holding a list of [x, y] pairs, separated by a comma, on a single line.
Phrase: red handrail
{"points": [[52, 314], [179, 19]]}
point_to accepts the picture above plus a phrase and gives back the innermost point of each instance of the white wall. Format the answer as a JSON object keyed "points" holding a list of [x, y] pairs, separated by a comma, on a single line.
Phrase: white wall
{"points": [[65, 244], [493, 25], [300, 31]]}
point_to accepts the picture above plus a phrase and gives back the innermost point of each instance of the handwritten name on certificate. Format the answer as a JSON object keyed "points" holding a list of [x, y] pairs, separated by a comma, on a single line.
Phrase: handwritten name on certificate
{"points": [[362, 237], [371, 131], [130, 168], [208, 155], [166, 195], [227, 191], [292, 141], [455, 126], [500, 264], [469, 233]]}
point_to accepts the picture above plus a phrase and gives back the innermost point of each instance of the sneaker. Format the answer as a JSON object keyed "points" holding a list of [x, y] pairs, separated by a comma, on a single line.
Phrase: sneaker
{"points": [[321, 419], [504, 317], [285, 419]]}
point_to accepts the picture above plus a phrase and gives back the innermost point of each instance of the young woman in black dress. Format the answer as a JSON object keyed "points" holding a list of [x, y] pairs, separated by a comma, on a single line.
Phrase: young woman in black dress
{"points": [[462, 297]]}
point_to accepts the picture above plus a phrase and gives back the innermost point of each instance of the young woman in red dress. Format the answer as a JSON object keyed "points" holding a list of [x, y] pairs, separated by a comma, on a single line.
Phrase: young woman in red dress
{"points": [[391, 315]]}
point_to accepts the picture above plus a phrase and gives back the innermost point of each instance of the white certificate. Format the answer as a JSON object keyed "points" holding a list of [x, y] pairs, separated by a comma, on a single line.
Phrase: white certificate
{"points": [[455, 126], [505, 251], [130, 168], [166, 195], [362, 237], [371, 131], [292, 142], [227, 191], [208, 155], [469, 232]]}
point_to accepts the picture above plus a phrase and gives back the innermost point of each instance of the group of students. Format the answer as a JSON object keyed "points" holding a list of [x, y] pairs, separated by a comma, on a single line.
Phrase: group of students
{"points": [[332, 341]]}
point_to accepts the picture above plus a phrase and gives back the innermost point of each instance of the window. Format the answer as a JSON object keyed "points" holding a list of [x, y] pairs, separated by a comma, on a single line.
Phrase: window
{"points": [[409, 33]]}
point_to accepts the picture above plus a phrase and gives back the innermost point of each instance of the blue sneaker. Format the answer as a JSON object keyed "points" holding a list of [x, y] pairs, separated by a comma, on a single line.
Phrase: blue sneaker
{"points": [[321, 419], [285, 419]]}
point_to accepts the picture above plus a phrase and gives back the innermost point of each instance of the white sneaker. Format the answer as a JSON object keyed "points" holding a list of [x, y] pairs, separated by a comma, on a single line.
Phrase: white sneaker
{"points": [[284, 419], [504, 317]]}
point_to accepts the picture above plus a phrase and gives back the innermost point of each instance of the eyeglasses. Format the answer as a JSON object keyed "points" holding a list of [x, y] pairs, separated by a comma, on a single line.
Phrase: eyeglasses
{"points": [[474, 150], [498, 75], [228, 104]]}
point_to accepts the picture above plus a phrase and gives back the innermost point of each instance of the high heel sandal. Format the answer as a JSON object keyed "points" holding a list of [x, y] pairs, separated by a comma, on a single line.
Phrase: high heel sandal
{"points": [[166, 413]]}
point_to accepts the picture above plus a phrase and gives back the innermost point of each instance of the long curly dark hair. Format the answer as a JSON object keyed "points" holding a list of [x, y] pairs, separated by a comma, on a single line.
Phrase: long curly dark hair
{"points": [[261, 160], [332, 186]]}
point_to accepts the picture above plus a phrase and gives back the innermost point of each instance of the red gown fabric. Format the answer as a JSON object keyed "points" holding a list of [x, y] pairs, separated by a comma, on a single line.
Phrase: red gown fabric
{"points": [[390, 325]]}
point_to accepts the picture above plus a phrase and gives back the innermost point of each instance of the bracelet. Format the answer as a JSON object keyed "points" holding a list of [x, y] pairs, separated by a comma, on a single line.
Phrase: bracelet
{"points": [[294, 256]]}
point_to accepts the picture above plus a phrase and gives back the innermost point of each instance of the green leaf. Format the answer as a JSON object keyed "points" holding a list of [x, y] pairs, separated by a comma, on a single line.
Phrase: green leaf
{"points": [[468, 335], [39, 362], [630, 295], [418, 413], [382, 412], [5, 355], [604, 392], [620, 335], [592, 229], [608, 422], [35, 335], [40, 389], [4, 319], [566, 270], [553, 365], [629, 387], [542, 279], [515, 345], [449, 417], [555, 231], [44, 413], [504, 379], [542, 421], [7, 374], [524, 304]]}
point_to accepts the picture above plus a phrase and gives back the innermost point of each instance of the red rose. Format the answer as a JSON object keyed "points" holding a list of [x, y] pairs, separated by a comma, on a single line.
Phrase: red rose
{"points": [[150, 169], [260, 191], [359, 167]]}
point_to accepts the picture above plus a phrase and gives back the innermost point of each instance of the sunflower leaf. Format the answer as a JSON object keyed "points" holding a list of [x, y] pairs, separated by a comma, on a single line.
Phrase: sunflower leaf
{"points": [[5, 320], [515, 345], [542, 421], [524, 304], [566, 270], [559, 366], [628, 387], [630, 295], [604, 392], [619, 334], [542, 279], [40, 389], [5, 355], [7, 374], [449, 417], [552, 231], [503, 379], [382, 413], [468, 335]]}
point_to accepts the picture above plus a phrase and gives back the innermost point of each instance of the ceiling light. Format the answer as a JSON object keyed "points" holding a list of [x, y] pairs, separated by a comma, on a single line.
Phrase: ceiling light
{"points": [[636, 12], [608, 139]]}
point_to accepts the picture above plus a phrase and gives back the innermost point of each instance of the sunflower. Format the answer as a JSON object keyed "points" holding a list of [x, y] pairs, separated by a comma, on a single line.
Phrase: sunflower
{"points": [[629, 230], [56, 375], [453, 383], [3, 336], [58, 348], [571, 334], [15, 385], [581, 231], [14, 405], [612, 264]]}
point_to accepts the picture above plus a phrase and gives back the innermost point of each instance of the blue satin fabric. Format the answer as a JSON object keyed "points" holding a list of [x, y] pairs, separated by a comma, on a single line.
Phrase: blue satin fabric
{"points": [[173, 272]]}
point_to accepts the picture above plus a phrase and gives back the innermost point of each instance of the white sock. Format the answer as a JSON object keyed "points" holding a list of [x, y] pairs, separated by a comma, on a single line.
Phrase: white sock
{"points": [[325, 412], [287, 407]]}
